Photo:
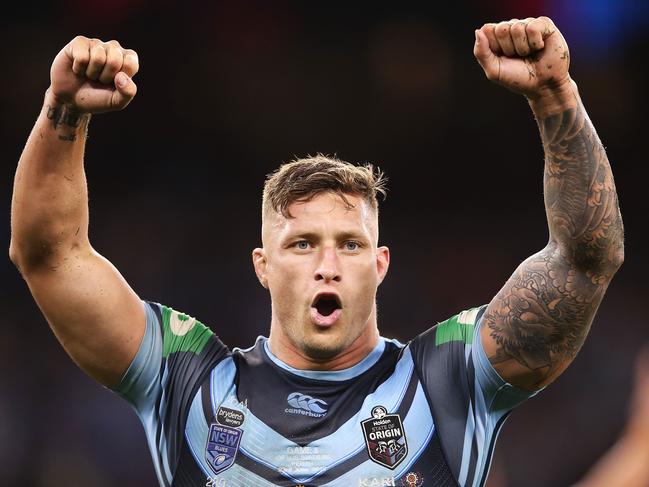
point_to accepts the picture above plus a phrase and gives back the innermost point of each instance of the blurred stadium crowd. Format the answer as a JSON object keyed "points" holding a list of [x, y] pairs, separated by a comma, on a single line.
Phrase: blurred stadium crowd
{"points": [[227, 91]]}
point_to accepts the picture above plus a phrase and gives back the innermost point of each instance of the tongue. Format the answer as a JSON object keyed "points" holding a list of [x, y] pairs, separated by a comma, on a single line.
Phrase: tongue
{"points": [[325, 320]]}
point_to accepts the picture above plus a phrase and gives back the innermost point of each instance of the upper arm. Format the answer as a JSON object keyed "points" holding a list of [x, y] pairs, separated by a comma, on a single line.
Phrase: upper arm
{"points": [[536, 324], [92, 310]]}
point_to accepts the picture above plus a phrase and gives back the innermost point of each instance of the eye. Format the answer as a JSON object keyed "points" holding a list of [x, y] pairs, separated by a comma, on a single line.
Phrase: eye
{"points": [[301, 245], [352, 245]]}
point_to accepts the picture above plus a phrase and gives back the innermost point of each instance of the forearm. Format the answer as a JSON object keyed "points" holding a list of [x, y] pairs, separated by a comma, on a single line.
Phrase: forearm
{"points": [[580, 197], [539, 320], [49, 212]]}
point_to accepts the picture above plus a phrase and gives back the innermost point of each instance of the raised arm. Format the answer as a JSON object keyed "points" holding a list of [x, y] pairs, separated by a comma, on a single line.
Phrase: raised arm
{"points": [[93, 312], [538, 321]]}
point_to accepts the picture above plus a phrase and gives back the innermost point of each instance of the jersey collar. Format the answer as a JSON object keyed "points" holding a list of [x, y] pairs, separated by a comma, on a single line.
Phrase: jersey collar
{"points": [[331, 375]]}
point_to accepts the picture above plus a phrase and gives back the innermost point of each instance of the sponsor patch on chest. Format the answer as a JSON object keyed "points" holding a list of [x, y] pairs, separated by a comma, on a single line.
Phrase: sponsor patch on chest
{"points": [[385, 438], [229, 417]]}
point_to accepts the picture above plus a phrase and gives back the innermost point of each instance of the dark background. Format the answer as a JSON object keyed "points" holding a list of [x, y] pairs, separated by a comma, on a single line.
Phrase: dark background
{"points": [[229, 90]]}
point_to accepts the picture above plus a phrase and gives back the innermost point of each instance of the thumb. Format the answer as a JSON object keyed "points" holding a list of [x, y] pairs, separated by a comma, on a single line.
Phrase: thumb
{"points": [[488, 60], [125, 90]]}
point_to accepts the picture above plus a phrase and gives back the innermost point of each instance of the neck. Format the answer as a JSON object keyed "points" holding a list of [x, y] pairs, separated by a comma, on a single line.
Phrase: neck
{"points": [[294, 356]]}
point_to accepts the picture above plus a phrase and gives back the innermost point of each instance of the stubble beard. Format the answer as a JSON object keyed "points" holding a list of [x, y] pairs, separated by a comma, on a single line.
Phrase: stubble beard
{"points": [[320, 344], [316, 344]]}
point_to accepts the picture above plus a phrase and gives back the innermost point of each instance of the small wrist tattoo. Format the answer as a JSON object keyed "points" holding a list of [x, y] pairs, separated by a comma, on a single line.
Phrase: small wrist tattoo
{"points": [[66, 115]]}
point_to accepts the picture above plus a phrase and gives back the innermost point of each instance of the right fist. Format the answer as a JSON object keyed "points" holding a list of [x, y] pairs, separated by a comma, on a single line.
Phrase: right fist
{"points": [[94, 76]]}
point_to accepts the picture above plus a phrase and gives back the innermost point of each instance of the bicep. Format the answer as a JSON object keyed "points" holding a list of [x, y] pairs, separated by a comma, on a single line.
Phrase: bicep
{"points": [[94, 313], [536, 324]]}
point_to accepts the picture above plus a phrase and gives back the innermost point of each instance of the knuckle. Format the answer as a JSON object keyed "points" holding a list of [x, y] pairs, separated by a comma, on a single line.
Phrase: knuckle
{"points": [[112, 65], [546, 24], [114, 43], [518, 28], [130, 56], [502, 29], [79, 39], [131, 61], [114, 59], [533, 29], [99, 57], [82, 55]]}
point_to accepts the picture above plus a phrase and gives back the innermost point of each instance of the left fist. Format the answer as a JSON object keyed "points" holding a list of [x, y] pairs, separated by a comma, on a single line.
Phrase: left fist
{"points": [[528, 56]]}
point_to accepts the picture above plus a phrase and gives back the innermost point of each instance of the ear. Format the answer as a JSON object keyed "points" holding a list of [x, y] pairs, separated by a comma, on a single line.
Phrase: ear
{"points": [[259, 263], [382, 262]]}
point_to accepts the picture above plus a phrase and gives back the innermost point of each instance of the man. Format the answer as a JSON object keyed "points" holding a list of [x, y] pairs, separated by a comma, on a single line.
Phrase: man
{"points": [[324, 400]]}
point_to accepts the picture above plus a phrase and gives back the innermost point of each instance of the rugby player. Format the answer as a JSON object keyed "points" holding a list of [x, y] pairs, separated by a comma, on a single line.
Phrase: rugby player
{"points": [[324, 400]]}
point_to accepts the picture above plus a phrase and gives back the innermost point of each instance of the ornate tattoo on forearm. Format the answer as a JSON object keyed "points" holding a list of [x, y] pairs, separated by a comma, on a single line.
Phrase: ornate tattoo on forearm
{"points": [[542, 315], [67, 116]]}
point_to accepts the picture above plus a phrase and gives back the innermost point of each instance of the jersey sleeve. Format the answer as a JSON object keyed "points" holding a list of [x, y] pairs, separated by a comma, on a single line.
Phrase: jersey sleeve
{"points": [[176, 354], [468, 398]]}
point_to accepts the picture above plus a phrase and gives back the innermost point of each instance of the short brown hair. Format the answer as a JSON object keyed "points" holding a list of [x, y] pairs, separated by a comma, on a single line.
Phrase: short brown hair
{"points": [[302, 179]]}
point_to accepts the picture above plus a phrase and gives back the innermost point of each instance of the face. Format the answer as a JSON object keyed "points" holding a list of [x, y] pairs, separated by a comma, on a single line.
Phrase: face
{"points": [[322, 268]]}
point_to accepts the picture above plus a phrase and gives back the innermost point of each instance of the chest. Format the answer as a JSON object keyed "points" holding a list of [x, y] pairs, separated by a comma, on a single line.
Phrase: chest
{"points": [[285, 431]]}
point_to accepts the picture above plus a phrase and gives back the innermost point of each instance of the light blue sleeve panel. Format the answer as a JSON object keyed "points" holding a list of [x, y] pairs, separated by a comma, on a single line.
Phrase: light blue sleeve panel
{"points": [[141, 384], [468, 398], [493, 400], [176, 355], [499, 395]]}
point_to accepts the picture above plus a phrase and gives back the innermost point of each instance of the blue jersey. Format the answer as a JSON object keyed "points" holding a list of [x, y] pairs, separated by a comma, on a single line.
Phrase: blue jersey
{"points": [[424, 413]]}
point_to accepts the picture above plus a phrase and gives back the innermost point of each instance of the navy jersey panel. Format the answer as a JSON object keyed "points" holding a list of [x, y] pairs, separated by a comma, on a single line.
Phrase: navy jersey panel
{"points": [[426, 413], [317, 407], [176, 354], [467, 397]]}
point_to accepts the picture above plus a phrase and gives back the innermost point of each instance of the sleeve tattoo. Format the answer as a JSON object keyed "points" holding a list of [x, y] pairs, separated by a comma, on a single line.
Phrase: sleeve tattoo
{"points": [[540, 318]]}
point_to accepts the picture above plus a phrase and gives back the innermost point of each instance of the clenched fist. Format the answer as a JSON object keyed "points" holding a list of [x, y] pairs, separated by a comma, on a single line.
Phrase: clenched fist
{"points": [[528, 56], [94, 76]]}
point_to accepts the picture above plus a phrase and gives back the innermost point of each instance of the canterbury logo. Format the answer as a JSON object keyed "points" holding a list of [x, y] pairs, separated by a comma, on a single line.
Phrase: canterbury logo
{"points": [[306, 405]]}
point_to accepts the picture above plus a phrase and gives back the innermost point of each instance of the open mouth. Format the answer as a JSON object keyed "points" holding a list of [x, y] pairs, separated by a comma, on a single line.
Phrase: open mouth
{"points": [[326, 304]]}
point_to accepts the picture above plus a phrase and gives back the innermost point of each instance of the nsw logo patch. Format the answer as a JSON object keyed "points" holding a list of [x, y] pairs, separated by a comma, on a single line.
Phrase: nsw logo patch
{"points": [[222, 446], [385, 438]]}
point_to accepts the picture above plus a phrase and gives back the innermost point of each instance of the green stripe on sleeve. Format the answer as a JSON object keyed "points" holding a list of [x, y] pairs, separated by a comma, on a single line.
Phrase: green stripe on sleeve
{"points": [[182, 333], [452, 330]]}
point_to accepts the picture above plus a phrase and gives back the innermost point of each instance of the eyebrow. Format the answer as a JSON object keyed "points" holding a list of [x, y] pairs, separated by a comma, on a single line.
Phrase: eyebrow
{"points": [[344, 235]]}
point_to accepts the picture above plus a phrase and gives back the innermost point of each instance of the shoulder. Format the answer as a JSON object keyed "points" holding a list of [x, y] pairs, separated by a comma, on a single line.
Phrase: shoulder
{"points": [[457, 331], [180, 332]]}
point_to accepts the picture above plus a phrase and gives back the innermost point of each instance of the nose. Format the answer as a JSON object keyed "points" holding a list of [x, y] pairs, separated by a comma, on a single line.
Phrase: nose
{"points": [[328, 269]]}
